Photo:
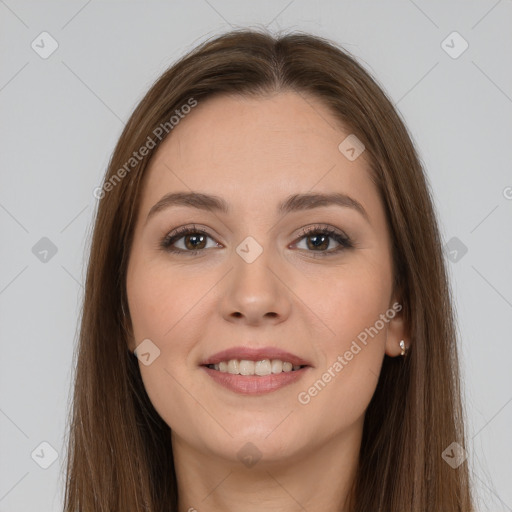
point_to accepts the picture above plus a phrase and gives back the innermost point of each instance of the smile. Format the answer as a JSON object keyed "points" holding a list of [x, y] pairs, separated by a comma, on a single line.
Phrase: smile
{"points": [[255, 377], [248, 367], [255, 371]]}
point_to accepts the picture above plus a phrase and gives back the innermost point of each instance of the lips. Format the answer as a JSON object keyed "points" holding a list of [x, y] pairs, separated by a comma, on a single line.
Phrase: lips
{"points": [[272, 369], [253, 354]]}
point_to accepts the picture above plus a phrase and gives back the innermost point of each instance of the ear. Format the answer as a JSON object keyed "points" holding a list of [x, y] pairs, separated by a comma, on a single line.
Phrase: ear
{"points": [[397, 330]]}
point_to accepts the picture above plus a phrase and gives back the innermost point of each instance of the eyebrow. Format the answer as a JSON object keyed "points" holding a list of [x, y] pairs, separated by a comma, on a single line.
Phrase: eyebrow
{"points": [[293, 203]]}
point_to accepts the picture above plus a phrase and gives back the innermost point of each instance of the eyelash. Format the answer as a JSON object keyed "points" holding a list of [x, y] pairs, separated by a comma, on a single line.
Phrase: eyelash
{"points": [[343, 240]]}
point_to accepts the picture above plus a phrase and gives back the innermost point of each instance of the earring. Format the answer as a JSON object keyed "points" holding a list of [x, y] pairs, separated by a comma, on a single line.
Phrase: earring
{"points": [[402, 346]]}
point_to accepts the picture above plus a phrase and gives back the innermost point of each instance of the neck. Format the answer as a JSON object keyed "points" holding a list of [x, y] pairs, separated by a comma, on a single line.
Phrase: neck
{"points": [[319, 479]]}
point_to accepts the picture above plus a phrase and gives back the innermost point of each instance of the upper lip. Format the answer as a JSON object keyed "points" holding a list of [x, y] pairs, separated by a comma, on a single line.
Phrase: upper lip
{"points": [[255, 354]]}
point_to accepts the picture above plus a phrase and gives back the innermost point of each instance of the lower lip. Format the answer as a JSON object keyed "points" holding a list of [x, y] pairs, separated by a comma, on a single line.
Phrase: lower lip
{"points": [[255, 384]]}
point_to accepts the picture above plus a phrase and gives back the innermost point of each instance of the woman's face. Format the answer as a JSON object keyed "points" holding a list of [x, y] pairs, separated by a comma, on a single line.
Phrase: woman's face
{"points": [[257, 285]]}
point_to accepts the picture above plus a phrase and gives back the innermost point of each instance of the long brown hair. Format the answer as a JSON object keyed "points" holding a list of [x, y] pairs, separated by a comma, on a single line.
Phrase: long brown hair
{"points": [[119, 453]]}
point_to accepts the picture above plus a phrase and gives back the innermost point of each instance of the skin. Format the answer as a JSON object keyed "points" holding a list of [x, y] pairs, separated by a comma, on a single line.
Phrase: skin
{"points": [[255, 152]]}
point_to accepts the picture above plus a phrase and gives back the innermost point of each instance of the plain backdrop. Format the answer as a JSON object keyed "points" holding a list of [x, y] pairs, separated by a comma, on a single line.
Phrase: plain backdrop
{"points": [[62, 113]]}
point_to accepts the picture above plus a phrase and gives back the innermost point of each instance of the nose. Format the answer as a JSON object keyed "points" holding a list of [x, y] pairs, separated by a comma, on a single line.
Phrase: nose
{"points": [[256, 292]]}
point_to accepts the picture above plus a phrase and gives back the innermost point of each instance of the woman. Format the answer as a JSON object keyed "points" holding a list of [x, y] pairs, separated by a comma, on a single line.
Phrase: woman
{"points": [[267, 322]]}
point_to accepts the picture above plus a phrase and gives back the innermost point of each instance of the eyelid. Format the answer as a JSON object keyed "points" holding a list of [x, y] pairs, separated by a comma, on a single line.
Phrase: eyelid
{"points": [[316, 227], [178, 233], [342, 239]]}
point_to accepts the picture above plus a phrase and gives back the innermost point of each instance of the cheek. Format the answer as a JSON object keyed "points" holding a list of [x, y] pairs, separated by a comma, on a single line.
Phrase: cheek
{"points": [[351, 352], [165, 307], [162, 301], [347, 301]]}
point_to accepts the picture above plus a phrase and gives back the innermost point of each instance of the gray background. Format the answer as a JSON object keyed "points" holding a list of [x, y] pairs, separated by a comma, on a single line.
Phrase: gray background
{"points": [[61, 116]]}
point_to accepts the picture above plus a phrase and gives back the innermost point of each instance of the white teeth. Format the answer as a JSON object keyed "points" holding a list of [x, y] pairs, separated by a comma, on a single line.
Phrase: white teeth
{"points": [[248, 367], [233, 366], [277, 366], [263, 367]]}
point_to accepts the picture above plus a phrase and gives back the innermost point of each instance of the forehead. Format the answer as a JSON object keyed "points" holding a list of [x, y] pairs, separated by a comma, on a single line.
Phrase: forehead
{"points": [[254, 151]]}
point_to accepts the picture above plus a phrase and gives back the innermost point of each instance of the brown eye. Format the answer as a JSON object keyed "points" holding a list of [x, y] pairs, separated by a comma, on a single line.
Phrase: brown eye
{"points": [[319, 240], [194, 241]]}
